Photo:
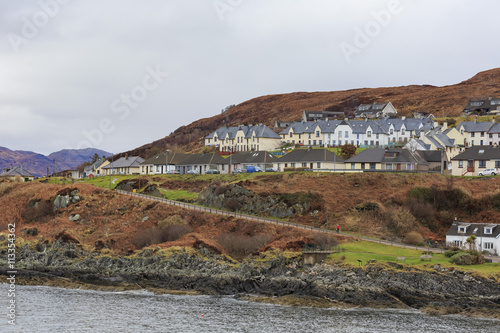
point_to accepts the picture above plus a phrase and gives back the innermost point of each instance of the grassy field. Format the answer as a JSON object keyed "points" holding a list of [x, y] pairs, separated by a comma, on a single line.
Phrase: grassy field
{"points": [[364, 251]]}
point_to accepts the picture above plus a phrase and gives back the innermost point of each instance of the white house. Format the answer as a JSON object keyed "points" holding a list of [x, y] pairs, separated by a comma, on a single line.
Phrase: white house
{"points": [[487, 236]]}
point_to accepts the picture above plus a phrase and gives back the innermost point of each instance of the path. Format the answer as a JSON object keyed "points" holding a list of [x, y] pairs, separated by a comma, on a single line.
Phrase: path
{"points": [[282, 223]]}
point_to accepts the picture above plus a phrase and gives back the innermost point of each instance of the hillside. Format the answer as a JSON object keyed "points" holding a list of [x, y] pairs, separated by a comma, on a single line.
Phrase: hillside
{"points": [[440, 101], [38, 164]]}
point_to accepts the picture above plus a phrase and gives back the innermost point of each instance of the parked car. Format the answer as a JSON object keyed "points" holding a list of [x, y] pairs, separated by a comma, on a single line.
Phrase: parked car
{"points": [[212, 172], [271, 170], [193, 172], [172, 172], [489, 172], [239, 170], [253, 168]]}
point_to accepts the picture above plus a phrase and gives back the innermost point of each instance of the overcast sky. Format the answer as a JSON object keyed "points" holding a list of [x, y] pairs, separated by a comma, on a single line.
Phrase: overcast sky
{"points": [[118, 74]]}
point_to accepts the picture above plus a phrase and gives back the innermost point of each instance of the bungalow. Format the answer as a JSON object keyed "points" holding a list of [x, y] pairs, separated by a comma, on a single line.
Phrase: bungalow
{"points": [[124, 166], [314, 159], [322, 115], [17, 171], [93, 170], [375, 110], [487, 236], [378, 159], [244, 138], [475, 159], [201, 163], [157, 164], [262, 159]]}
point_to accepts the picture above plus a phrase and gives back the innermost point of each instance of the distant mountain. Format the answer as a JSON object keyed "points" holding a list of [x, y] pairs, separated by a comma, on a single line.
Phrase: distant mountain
{"points": [[440, 101], [68, 159], [39, 165]]}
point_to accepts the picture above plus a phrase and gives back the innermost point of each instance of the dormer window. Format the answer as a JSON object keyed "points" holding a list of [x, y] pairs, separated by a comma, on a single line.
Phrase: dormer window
{"points": [[488, 230], [462, 229], [476, 103], [391, 154], [391, 131]]}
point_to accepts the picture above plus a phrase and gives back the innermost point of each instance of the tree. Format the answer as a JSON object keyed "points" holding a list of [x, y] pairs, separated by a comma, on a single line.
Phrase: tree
{"points": [[347, 151], [471, 240]]}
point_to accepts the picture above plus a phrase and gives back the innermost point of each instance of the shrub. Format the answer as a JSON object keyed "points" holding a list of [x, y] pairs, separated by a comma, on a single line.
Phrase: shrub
{"points": [[36, 209], [240, 245], [450, 253], [171, 220], [414, 238], [423, 211], [401, 222], [154, 235], [465, 258], [367, 206]]}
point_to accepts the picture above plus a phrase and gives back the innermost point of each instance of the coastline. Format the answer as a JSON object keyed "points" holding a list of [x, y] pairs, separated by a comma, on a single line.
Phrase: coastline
{"points": [[278, 279]]}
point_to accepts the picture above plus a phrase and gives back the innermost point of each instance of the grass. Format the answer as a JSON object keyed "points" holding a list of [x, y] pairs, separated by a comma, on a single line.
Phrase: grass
{"points": [[364, 251], [179, 195]]}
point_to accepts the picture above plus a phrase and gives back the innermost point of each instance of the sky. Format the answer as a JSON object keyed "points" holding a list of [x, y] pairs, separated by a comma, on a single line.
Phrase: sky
{"points": [[117, 74]]}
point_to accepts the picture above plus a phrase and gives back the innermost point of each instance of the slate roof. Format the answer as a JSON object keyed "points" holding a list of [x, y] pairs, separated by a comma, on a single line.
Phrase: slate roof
{"points": [[125, 162], [310, 155], [202, 159], [321, 115], [377, 155], [471, 227], [160, 159], [479, 153], [261, 131], [15, 171], [473, 126], [486, 105], [495, 128], [430, 155], [370, 108], [251, 157]]}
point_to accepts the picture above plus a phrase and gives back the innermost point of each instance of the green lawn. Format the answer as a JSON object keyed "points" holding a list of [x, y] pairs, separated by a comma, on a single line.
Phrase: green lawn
{"points": [[364, 251]]}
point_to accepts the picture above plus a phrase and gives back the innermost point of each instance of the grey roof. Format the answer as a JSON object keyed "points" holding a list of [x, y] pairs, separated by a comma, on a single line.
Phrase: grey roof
{"points": [[431, 155], [310, 155], [320, 115], [378, 155], [370, 108], [160, 159], [483, 105], [479, 153], [261, 131], [251, 157], [495, 128], [94, 166], [125, 162], [202, 159], [15, 171], [473, 126], [476, 229], [423, 144]]}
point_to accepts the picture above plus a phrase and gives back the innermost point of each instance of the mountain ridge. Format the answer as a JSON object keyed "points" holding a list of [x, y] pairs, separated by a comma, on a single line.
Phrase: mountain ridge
{"points": [[442, 101]]}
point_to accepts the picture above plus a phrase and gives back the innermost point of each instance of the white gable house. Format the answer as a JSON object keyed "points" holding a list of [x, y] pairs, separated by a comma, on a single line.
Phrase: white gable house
{"points": [[487, 236]]}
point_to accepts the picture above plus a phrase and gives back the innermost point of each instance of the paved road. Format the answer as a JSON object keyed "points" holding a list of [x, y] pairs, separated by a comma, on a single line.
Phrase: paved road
{"points": [[277, 222]]}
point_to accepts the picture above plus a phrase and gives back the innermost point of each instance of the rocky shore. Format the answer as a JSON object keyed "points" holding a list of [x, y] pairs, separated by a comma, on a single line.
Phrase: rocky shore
{"points": [[273, 276]]}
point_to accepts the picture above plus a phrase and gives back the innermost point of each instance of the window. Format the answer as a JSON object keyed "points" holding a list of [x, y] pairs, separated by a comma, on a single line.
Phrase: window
{"points": [[353, 166], [340, 134], [488, 230], [388, 166], [472, 134], [346, 134], [304, 165], [488, 246], [377, 138], [215, 139], [317, 134], [408, 166], [372, 166], [482, 164], [320, 142], [357, 136], [460, 164], [462, 229], [319, 165], [497, 164], [490, 135], [292, 165], [476, 103], [362, 166], [482, 134], [309, 136], [309, 142], [291, 134], [314, 142], [369, 134], [403, 132], [457, 243], [391, 131]]}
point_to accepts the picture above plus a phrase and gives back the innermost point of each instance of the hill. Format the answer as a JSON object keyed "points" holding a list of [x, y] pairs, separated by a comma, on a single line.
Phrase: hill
{"points": [[440, 101], [38, 164]]}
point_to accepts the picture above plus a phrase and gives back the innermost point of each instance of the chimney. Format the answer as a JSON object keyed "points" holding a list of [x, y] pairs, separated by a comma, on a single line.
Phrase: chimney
{"points": [[475, 120], [445, 126]]}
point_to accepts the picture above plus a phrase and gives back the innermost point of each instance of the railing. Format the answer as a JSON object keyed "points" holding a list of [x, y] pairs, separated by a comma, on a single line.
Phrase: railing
{"points": [[224, 212]]}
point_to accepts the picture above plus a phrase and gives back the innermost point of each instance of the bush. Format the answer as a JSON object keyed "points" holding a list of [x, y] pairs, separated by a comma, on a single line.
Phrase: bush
{"points": [[465, 258], [154, 235], [401, 222], [414, 238], [450, 253], [367, 206], [36, 209], [240, 245], [171, 220]]}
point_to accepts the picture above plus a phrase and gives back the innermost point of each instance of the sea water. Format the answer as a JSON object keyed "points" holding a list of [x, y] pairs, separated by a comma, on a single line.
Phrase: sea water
{"points": [[47, 309]]}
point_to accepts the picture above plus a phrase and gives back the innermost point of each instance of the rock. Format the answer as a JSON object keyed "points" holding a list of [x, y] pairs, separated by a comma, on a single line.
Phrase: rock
{"points": [[76, 199], [145, 219], [31, 231], [74, 218]]}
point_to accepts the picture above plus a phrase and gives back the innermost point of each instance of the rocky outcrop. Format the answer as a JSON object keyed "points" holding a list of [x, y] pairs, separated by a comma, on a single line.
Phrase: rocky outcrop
{"points": [[374, 285], [66, 198], [234, 197]]}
